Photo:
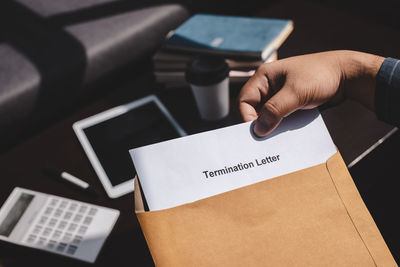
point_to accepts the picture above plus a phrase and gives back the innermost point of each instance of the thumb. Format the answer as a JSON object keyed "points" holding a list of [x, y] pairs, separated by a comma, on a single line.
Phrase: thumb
{"points": [[283, 103]]}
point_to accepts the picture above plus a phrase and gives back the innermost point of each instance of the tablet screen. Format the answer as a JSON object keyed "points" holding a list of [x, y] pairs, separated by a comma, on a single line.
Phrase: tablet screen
{"points": [[112, 138]]}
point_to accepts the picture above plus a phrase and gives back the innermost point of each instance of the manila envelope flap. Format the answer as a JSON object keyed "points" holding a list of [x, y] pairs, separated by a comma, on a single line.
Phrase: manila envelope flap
{"points": [[312, 217]]}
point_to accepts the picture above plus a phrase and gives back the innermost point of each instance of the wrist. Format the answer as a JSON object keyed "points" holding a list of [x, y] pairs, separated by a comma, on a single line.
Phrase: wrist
{"points": [[359, 71]]}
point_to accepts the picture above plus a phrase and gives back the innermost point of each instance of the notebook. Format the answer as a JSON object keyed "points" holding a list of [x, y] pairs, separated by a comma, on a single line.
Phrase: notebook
{"points": [[230, 36]]}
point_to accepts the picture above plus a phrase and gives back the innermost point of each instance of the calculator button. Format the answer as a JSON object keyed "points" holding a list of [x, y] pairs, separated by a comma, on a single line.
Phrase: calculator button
{"points": [[82, 209], [87, 220], [67, 237], [58, 212], [82, 230], [73, 206], [31, 239], [92, 211], [41, 241], [61, 247], [62, 225], [57, 234], [48, 211], [63, 204], [53, 202], [51, 244], [77, 239], [67, 215], [52, 222], [47, 231], [72, 227], [37, 229], [78, 218], [71, 249], [43, 220]]}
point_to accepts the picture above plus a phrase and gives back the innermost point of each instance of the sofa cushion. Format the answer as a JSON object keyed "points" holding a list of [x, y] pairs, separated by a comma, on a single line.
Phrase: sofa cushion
{"points": [[114, 41], [19, 84]]}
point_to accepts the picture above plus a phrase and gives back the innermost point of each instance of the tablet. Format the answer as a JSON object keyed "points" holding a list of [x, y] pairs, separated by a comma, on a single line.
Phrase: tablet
{"points": [[107, 137]]}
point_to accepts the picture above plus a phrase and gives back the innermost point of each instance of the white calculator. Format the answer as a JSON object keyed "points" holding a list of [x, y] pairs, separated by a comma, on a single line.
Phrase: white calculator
{"points": [[55, 224]]}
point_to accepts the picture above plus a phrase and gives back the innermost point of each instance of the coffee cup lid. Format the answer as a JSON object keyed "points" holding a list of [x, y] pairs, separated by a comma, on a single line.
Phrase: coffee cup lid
{"points": [[206, 70]]}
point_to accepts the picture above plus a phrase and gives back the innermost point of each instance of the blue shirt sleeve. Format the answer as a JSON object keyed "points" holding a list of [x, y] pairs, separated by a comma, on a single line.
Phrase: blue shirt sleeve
{"points": [[387, 92]]}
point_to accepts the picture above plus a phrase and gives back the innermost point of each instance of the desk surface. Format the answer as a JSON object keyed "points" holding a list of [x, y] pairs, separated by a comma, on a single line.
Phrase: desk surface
{"points": [[58, 146]]}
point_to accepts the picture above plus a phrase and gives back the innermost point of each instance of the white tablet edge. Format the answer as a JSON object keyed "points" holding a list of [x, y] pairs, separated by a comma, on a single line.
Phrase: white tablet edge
{"points": [[127, 186]]}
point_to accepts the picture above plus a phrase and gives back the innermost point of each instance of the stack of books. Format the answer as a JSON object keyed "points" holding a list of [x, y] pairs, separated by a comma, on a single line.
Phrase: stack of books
{"points": [[244, 42]]}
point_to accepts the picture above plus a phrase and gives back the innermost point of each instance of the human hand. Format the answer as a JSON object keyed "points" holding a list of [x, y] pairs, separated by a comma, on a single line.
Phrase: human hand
{"points": [[303, 82]]}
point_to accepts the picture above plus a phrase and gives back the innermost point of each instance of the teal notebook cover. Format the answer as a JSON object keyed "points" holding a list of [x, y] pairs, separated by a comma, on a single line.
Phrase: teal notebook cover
{"points": [[227, 34]]}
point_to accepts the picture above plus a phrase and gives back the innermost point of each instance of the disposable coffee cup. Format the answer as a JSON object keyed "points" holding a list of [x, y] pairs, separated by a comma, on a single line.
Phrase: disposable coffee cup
{"points": [[209, 80]]}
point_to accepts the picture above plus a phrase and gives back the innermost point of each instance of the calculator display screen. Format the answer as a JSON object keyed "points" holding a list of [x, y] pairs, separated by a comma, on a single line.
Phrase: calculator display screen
{"points": [[15, 214], [112, 139]]}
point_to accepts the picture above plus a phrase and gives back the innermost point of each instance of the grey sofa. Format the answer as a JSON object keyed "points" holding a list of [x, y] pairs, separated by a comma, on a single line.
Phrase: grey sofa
{"points": [[52, 52]]}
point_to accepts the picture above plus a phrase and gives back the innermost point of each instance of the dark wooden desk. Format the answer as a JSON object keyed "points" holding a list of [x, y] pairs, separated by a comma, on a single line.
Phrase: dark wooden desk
{"points": [[58, 146]]}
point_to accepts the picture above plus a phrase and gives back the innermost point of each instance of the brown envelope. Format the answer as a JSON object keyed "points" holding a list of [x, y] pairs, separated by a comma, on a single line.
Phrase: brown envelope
{"points": [[312, 217]]}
